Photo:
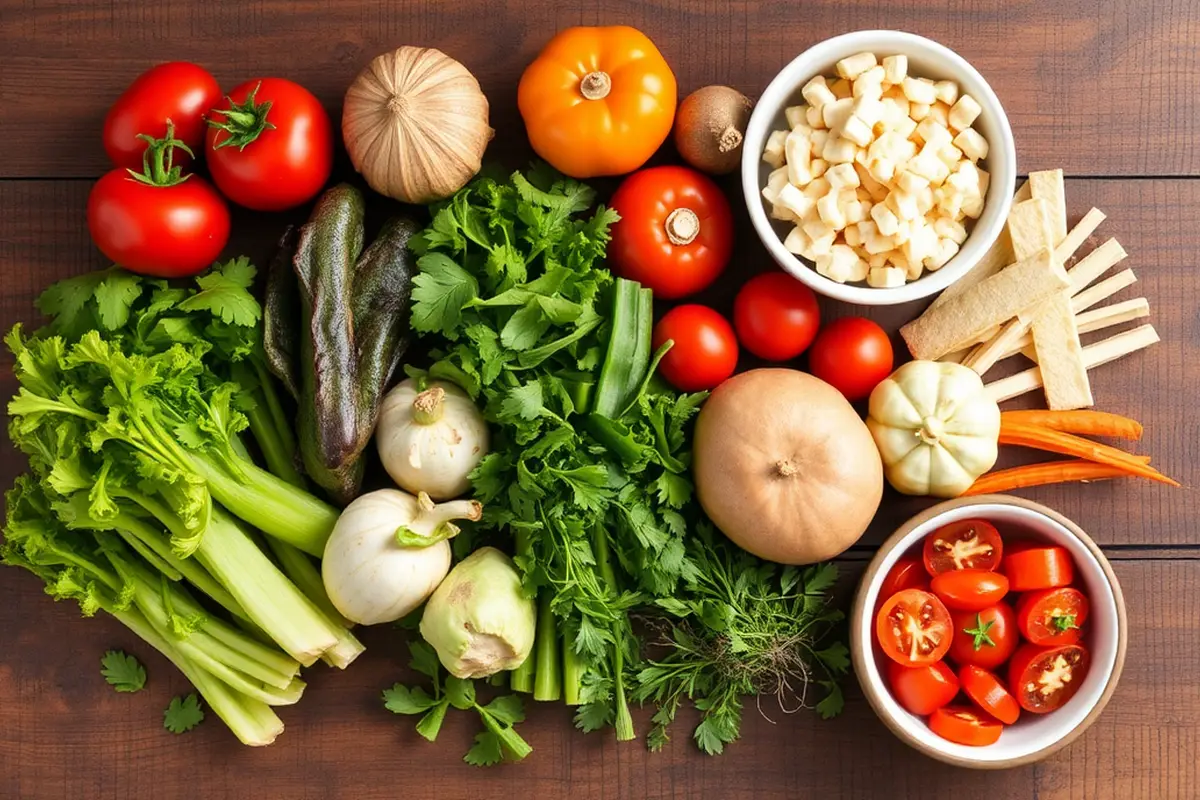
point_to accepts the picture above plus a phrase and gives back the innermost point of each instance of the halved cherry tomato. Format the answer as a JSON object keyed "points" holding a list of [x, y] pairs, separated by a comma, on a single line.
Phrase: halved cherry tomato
{"points": [[705, 350], [1039, 568], [965, 725], [970, 589], [986, 690], [907, 573], [913, 628], [675, 234], [966, 544], [1052, 616], [922, 690], [1045, 678], [776, 316], [984, 638]]}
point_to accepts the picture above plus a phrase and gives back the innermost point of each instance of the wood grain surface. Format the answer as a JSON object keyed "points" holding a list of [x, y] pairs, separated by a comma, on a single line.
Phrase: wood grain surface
{"points": [[1105, 89]]}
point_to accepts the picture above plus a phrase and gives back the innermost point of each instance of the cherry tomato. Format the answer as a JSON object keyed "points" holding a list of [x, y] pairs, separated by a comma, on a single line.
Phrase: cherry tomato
{"points": [[271, 146], [853, 355], [165, 224], [922, 690], [1052, 616], [1039, 568], [984, 638], [970, 589], [966, 544], [913, 628], [906, 573], [675, 235], [177, 91], [965, 725], [1045, 678], [776, 316], [705, 350], [986, 690]]}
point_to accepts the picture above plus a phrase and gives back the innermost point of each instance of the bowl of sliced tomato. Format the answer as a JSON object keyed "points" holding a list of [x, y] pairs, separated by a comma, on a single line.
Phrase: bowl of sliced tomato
{"points": [[988, 632]]}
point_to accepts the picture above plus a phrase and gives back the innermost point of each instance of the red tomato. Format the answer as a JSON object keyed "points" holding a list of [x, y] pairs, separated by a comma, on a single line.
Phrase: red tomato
{"points": [[966, 544], [271, 148], [965, 725], [675, 235], [984, 638], [853, 355], [179, 92], [705, 351], [1045, 678], [907, 573], [986, 690], [1039, 568], [970, 589], [1052, 616], [922, 690], [913, 628], [776, 316]]}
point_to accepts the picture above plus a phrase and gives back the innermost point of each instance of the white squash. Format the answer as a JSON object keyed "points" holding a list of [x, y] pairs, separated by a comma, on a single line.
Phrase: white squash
{"points": [[935, 427]]}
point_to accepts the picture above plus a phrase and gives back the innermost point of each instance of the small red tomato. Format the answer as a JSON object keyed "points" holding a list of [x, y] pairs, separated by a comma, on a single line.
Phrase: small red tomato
{"points": [[1052, 616], [1045, 678], [907, 573], [776, 316], [271, 147], [177, 91], [913, 628], [970, 589], [985, 638], [986, 690], [1039, 568], [965, 725], [675, 235], [924, 689], [705, 350], [966, 544], [853, 355]]}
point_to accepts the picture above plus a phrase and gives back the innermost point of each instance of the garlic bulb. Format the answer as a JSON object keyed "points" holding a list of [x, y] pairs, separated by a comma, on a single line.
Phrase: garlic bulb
{"points": [[415, 123], [430, 438]]}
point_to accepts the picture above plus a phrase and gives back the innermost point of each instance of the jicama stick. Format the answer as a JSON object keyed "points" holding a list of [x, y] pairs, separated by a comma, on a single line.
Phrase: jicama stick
{"points": [[1094, 264], [1102, 290], [1078, 235], [1092, 423], [1022, 435], [1094, 320], [984, 356], [1067, 471]]}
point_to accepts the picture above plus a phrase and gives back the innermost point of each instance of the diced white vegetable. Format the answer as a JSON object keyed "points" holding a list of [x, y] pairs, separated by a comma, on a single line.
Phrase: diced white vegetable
{"points": [[796, 115], [919, 90], [839, 151], [911, 182], [818, 167], [795, 201], [945, 250], [895, 69], [841, 176], [775, 183], [947, 92], [950, 228], [817, 93], [903, 204], [831, 211], [940, 113], [836, 113], [857, 131], [869, 84], [797, 241], [881, 277], [972, 144], [964, 113], [918, 111], [885, 219], [773, 152], [934, 133], [813, 116], [818, 139], [797, 148], [853, 66]]}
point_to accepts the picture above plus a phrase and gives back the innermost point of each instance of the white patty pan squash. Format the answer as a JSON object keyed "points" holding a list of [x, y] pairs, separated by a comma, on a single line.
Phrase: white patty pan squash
{"points": [[935, 427]]}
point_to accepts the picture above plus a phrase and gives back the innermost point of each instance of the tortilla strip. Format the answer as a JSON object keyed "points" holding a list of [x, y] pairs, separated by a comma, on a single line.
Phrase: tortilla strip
{"points": [[1047, 186], [1060, 356], [992, 301], [1091, 321], [1079, 234], [1029, 228], [1103, 290], [1094, 355]]}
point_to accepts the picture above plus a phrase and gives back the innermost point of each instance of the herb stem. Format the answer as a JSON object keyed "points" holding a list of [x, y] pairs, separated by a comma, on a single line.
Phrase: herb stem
{"points": [[547, 681]]}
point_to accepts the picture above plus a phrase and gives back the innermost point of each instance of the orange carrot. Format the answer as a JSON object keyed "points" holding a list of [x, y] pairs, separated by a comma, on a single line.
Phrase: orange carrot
{"points": [[1075, 469], [1016, 433], [1091, 423]]}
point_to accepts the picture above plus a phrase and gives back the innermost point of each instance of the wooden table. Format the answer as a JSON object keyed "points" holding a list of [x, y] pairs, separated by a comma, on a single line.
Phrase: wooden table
{"points": [[1105, 89]]}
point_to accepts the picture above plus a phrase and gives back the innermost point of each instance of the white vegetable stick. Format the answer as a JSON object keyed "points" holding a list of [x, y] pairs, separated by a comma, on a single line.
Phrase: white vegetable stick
{"points": [[1091, 321], [1093, 356], [1079, 234], [1102, 290], [1095, 264], [1056, 342], [1029, 228], [1047, 185], [983, 357], [997, 257]]}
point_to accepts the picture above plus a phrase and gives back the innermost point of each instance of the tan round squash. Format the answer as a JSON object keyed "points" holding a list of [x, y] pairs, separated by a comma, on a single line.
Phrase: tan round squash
{"points": [[785, 467]]}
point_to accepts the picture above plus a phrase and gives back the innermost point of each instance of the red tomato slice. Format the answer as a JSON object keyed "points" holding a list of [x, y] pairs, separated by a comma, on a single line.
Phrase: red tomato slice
{"points": [[966, 544], [965, 725], [907, 573], [984, 638], [970, 589], [1039, 568], [913, 628], [1052, 616], [1045, 678], [922, 690], [986, 690]]}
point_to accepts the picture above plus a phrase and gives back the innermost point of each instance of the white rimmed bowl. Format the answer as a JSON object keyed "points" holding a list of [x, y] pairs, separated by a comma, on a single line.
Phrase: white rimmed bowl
{"points": [[926, 59], [1034, 736]]}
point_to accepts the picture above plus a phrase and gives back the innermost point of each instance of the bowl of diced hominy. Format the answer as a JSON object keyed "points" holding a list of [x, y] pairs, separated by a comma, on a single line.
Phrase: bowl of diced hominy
{"points": [[878, 167]]}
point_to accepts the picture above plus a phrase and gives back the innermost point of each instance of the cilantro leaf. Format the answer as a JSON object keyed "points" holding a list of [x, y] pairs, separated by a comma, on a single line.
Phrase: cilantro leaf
{"points": [[115, 295], [183, 714], [402, 700], [523, 402], [123, 672], [508, 709], [673, 490], [431, 724], [224, 292], [439, 293], [461, 692], [833, 703], [423, 659], [486, 751]]}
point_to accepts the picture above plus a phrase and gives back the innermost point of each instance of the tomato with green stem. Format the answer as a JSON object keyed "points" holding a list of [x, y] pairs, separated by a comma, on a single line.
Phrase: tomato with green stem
{"points": [[1039, 568], [970, 589], [913, 628], [965, 725], [177, 92], [776, 316], [1045, 678], [705, 350], [1052, 616], [985, 638], [987, 692], [965, 544], [924, 689]]}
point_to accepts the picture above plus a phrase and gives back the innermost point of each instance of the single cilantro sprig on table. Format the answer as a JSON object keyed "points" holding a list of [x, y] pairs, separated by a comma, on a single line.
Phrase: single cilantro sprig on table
{"points": [[499, 741], [123, 672], [183, 714]]}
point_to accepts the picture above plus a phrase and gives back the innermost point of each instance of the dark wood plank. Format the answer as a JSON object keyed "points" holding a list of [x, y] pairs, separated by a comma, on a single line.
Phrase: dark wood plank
{"points": [[1095, 86], [66, 734], [43, 238]]}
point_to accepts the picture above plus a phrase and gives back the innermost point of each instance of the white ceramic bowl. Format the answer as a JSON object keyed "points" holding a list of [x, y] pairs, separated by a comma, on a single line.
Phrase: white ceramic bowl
{"points": [[1033, 736], [926, 59]]}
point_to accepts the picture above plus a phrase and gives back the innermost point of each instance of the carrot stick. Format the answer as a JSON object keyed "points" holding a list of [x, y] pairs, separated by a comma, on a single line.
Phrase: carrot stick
{"points": [[1091, 423], [1015, 433], [1076, 469]]}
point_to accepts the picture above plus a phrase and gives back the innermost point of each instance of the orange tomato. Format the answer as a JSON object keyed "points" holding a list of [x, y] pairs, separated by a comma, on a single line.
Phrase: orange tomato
{"points": [[597, 101]]}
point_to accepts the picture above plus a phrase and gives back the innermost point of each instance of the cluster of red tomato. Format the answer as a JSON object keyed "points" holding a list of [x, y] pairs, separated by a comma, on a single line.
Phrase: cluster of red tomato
{"points": [[953, 603], [675, 237], [270, 147]]}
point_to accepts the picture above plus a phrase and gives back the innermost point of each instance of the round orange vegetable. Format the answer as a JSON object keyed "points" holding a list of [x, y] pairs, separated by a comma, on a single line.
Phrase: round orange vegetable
{"points": [[597, 101]]}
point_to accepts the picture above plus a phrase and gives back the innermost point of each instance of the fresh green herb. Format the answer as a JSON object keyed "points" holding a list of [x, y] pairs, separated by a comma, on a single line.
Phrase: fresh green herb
{"points": [[123, 672], [498, 741], [1064, 623], [980, 633], [183, 714]]}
